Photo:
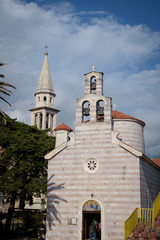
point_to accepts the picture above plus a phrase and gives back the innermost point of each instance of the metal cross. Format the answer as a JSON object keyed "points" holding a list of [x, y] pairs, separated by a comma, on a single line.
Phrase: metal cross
{"points": [[93, 68], [114, 106], [46, 47]]}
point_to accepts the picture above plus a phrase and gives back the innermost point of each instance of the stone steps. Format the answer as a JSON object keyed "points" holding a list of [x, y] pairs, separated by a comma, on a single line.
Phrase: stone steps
{"points": [[146, 231]]}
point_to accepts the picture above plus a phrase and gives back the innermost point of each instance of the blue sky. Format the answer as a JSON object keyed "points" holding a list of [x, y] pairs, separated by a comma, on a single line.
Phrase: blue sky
{"points": [[126, 11], [120, 37]]}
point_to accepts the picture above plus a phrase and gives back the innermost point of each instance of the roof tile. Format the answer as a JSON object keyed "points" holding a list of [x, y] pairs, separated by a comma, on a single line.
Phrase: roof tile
{"points": [[119, 115], [63, 126], [156, 161]]}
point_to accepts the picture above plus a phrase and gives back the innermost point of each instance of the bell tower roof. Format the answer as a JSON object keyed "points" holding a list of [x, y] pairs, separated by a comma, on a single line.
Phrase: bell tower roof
{"points": [[45, 84]]}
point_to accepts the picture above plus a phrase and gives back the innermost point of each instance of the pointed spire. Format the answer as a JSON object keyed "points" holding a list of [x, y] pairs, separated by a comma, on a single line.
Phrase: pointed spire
{"points": [[45, 83]]}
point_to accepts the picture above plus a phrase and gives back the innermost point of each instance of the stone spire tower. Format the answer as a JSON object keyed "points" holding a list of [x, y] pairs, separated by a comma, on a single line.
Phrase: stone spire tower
{"points": [[44, 114]]}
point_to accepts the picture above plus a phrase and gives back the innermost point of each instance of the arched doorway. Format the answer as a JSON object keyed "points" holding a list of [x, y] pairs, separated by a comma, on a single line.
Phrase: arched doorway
{"points": [[91, 210]]}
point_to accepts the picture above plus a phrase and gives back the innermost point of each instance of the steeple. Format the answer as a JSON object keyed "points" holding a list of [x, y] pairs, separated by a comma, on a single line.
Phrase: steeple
{"points": [[45, 83], [44, 114]]}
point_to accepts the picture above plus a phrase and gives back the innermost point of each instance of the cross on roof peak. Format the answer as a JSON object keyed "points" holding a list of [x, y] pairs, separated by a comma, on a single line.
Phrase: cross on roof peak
{"points": [[114, 106], [93, 68]]}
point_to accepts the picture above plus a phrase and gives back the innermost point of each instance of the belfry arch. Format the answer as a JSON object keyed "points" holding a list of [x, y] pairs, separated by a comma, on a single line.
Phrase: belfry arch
{"points": [[93, 84], [100, 110], [91, 210], [85, 111]]}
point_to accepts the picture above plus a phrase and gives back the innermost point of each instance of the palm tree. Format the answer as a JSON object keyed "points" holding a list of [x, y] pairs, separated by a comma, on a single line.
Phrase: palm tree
{"points": [[4, 90]]}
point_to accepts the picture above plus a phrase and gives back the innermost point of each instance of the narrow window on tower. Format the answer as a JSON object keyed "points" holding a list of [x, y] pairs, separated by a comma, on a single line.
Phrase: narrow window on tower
{"points": [[47, 120], [36, 120], [44, 99], [86, 111], [93, 84], [51, 121], [41, 119], [100, 111]]}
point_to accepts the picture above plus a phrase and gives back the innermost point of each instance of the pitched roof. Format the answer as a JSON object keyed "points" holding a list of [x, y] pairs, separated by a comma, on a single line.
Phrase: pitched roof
{"points": [[63, 126], [45, 80], [119, 115], [156, 161]]}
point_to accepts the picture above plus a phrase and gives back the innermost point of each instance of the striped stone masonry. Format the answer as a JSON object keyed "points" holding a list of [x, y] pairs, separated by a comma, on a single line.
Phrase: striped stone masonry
{"points": [[105, 163], [115, 184]]}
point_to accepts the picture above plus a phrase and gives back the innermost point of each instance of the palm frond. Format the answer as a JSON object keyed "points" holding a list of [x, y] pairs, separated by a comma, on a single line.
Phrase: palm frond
{"points": [[5, 90], [7, 84], [3, 116], [2, 64], [5, 101]]}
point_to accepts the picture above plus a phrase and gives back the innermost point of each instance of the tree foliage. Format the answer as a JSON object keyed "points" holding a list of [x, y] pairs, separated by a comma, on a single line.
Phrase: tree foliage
{"points": [[23, 168]]}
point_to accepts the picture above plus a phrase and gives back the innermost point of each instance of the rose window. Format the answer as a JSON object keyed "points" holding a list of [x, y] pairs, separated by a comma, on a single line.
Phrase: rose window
{"points": [[91, 165]]}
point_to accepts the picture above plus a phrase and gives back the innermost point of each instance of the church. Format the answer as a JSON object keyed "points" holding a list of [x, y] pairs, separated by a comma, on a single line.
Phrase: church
{"points": [[100, 170]]}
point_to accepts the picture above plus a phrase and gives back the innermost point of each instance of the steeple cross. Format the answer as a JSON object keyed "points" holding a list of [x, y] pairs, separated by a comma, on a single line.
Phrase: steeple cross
{"points": [[114, 106], [93, 68], [46, 47]]}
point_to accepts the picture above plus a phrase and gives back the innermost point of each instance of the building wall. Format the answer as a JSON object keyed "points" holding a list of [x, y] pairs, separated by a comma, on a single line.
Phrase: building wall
{"points": [[115, 185], [150, 183], [130, 132]]}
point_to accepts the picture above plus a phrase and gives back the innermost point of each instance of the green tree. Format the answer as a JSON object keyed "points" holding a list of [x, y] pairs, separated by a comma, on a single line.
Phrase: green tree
{"points": [[23, 167], [4, 90]]}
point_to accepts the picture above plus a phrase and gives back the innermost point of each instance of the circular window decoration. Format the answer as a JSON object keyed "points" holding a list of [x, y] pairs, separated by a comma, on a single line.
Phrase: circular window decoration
{"points": [[91, 165]]}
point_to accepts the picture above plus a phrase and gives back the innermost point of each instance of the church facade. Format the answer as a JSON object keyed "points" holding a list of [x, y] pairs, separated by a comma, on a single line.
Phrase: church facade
{"points": [[100, 171]]}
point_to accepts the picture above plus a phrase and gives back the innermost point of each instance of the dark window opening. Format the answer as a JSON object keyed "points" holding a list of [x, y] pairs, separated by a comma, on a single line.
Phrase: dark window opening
{"points": [[86, 111], [93, 84], [41, 119], [100, 111]]}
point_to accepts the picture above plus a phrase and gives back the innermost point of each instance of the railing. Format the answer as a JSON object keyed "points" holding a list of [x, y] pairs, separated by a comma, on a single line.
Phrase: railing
{"points": [[141, 214], [156, 206], [130, 224], [146, 214]]}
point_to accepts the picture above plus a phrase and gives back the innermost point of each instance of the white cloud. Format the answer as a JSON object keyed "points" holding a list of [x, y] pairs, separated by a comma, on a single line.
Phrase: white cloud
{"points": [[151, 131], [77, 41]]}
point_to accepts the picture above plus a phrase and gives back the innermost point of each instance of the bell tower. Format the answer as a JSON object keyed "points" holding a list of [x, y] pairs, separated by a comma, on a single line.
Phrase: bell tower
{"points": [[94, 107], [44, 114]]}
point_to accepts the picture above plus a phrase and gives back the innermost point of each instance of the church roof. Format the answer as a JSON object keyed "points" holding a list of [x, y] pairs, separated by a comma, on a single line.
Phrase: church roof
{"points": [[156, 161], [119, 115], [63, 126], [45, 83]]}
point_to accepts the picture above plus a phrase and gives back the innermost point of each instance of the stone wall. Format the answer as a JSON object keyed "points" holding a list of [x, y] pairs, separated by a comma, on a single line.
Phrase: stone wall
{"points": [[130, 132], [115, 185], [150, 182]]}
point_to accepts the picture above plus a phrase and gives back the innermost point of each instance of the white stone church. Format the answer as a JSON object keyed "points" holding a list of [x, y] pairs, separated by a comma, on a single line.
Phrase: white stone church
{"points": [[99, 171]]}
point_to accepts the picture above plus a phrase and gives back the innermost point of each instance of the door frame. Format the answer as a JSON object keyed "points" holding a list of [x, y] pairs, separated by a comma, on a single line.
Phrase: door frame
{"points": [[81, 217]]}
